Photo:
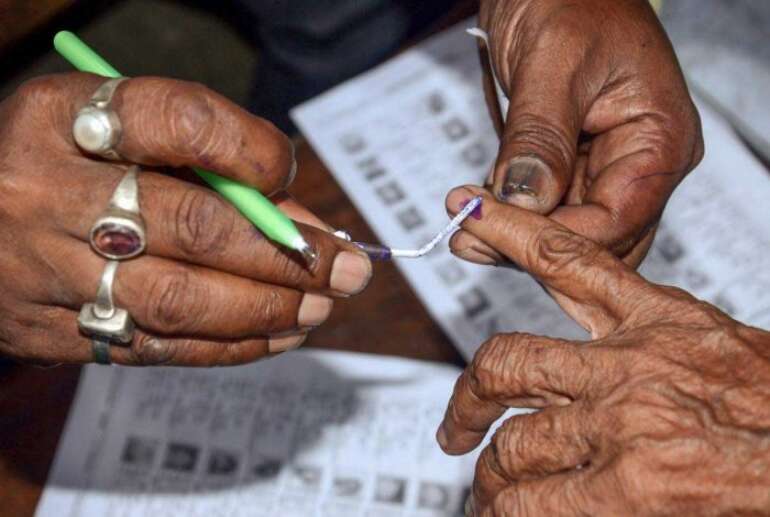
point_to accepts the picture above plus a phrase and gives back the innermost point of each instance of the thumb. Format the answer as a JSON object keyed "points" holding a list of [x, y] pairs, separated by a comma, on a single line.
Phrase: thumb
{"points": [[535, 165]]}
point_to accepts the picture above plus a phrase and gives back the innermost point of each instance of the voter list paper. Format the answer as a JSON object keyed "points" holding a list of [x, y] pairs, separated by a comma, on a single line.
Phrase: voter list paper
{"points": [[306, 434], [399, 137]]}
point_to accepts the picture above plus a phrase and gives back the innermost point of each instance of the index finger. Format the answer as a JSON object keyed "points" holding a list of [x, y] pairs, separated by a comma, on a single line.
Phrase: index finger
{"points": [[183, 124], [515, 370], [594, 280]]}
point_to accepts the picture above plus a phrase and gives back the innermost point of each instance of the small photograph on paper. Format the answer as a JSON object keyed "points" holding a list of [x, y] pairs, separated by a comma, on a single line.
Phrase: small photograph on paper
{"points": [[181, 457], [222, 463], [348, 487], [390, 489], [139, 451], [434, 496], [455, 129]]}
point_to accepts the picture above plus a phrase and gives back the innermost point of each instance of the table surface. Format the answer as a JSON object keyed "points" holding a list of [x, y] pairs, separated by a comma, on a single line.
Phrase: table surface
{"points": [[387, 318]]}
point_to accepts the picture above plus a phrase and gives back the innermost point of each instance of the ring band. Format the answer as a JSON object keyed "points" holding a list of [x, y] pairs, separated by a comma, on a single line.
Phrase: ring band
{"points": [[102, 320], [119, 232], [97, 128], [101, 351]]}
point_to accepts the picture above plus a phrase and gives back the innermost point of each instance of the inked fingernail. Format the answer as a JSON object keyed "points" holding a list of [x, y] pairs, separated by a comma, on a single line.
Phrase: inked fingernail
{"points": [[526, 175], [457, 199], [283, 344], [313, 310], [476, 214], [351, 273]]}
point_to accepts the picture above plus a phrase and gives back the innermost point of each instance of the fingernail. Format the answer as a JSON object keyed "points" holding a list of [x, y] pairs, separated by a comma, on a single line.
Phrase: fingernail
{"points": [[457, 199], [488, 251], [293, 170], [441, 437], [314, 310], [282, 344], [475, 256], [351, 273], [526, 175], [476, 213]]}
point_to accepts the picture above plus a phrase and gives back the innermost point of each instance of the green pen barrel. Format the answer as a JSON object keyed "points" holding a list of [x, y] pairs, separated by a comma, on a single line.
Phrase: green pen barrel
{"points": [[257, 209], [81, 56]]}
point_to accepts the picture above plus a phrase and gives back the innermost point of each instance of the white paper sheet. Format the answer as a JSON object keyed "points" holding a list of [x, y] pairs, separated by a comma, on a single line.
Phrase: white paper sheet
{"points": [[310, 433], [399, 137]]}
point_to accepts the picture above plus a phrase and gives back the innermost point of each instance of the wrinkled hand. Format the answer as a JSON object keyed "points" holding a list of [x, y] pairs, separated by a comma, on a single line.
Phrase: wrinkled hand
{"points": [[600, 128], [665, 412], [210, 289]]}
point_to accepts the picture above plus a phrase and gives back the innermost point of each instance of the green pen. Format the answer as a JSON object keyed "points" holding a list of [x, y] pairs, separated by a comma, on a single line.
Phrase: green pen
{"points": [[249, 201]]}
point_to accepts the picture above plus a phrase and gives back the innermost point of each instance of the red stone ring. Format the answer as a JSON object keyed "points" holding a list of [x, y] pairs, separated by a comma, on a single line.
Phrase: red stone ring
{"points": [[118, 234]]}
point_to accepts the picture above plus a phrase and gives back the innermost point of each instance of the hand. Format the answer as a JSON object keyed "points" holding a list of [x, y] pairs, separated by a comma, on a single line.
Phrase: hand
{"points": [[210, 289], [665, 412], [600, 128]]}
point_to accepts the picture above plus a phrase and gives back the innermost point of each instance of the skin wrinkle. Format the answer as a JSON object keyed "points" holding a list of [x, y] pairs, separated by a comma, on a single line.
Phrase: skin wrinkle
{"points": [[270, 308], [531, 130], [493, 458], [149, 351], [166, 306], [192, 121], [199, 226]]}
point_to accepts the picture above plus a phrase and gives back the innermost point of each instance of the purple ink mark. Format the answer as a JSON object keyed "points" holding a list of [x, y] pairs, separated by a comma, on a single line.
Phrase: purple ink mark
{"points": [[476, 214], [375, 251]]}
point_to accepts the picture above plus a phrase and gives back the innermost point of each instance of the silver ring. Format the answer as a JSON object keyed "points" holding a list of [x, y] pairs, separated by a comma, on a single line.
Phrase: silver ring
{"points": [[119, 232], [102, 320], [97, 128]]}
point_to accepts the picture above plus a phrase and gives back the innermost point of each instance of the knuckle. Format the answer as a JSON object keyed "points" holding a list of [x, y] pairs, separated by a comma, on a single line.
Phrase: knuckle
{"points": [[489, 374], [673, 140], [230, 355], [507, 504], [485, 373], [17, 343], [271, 311], [150, 351], [698, 147], [275, 160], [624, 477], [492, 461], [38, 91], [203, 224], [557, 249], [238, 356], [680, 308], [195, 124], [283, 267], [507, 446], [699, 151], [668, 155], [547, 366], [175, 302]]}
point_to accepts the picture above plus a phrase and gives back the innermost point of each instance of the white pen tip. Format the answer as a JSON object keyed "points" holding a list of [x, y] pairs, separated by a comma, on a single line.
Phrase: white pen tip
{"points": [[309, 254]]}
